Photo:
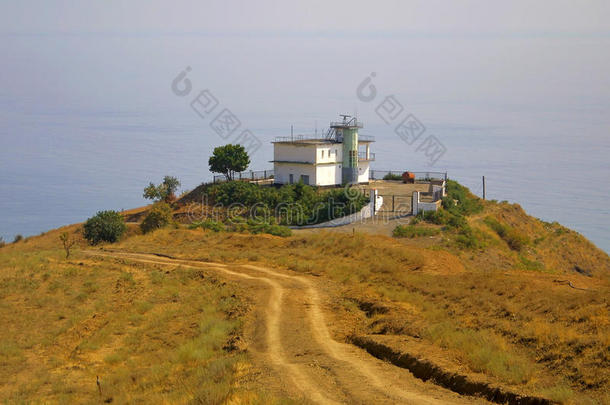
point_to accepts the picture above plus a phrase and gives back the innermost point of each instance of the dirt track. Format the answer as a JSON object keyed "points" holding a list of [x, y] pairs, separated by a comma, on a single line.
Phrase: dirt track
{"points": [[289, 340]]}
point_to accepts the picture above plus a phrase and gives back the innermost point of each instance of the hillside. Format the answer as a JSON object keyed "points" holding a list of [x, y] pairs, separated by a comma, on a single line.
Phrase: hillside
{"points": [[503, 299]]}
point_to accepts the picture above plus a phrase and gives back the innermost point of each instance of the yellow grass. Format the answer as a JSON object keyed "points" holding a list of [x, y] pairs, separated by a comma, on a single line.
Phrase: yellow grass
{"points": [[151, 335]]}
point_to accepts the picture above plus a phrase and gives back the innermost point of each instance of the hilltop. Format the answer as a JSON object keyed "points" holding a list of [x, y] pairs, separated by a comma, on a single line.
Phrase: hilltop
{"points": [[482, 295]]}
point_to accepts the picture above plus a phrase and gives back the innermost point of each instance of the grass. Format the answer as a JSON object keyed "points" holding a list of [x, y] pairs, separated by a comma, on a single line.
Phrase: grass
{"points": [[412, 231], [150, 334], [515, 239], [518, 328], [491, 303], [484, 351]]}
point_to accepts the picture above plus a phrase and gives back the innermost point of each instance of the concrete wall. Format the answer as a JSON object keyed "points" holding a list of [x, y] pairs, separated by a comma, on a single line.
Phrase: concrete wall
{"points": [[294, 152], [419, 206], [363, 171], [328, 175], [282, 172], [329, 153]]}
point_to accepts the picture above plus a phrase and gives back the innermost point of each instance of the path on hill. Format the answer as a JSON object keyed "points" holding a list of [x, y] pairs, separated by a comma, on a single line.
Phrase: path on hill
{"points": [[287, 336]]}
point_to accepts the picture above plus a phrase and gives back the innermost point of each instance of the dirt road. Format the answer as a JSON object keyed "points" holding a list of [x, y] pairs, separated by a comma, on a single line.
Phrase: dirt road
{"points": [[288, 337]]}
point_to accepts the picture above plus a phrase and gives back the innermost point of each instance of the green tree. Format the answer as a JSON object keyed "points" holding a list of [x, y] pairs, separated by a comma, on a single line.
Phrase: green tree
{"points": [[229, 159], [105, 226], [164, 191], [159, 216]]}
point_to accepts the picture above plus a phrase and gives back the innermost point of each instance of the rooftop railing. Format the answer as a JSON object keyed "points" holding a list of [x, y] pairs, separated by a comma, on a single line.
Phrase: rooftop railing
{"points": [[300, 138]]}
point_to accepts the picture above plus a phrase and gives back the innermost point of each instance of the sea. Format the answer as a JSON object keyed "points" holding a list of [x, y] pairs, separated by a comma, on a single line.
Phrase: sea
{"points": [[87, 120]]}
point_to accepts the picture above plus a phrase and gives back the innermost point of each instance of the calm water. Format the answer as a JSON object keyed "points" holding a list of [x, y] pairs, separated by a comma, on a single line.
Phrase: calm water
{"points": [[87, 121]]}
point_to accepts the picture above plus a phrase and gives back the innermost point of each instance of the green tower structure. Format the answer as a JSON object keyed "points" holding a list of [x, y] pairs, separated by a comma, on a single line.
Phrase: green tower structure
{"points": [[347, 133]]}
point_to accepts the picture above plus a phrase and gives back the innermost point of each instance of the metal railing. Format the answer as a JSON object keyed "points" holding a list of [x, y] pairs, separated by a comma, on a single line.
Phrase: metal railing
{"points": [[362, 156], [421, 176], [351, 123], [251, 175], [300, 138]]}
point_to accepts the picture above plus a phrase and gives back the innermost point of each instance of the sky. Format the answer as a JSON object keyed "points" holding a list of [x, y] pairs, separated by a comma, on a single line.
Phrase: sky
{"points": [[341, 17]]}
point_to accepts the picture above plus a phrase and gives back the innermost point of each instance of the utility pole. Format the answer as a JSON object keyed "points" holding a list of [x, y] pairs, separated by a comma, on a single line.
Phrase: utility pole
{"points": [[483, 187]]}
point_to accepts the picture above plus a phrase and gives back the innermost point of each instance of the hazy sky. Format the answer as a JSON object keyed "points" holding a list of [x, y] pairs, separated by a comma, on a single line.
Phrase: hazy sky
{"points": [[347, 17]]}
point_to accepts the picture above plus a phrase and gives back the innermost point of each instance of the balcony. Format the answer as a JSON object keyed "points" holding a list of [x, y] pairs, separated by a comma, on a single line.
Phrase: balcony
{"points": [[362, 156]]}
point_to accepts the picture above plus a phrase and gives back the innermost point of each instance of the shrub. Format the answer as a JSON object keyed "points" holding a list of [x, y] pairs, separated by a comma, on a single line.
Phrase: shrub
{"points": [[212, 225], [159, 216], [267, 227], [467, 203], [105, 226], [410, 231], [67, 242], [2, 242], [294, 204], [18, 238], [391, 176]]}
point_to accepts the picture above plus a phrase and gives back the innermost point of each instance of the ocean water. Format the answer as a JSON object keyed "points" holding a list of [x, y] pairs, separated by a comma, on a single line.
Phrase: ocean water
{"points": [[88, 120]]}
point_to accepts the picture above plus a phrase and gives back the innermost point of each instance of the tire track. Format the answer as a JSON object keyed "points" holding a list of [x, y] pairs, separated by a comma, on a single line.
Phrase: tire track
{"points": [[346, 374]]}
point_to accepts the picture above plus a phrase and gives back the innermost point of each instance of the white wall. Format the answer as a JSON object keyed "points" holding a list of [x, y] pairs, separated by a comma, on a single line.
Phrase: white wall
{"points": [[332, 153], [282, 172], [363, 172], [294, 152], [326, 175]]}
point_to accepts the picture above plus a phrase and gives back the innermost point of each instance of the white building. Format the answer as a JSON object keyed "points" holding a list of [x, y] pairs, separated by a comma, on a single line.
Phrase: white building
{"points": [[339, 158]]}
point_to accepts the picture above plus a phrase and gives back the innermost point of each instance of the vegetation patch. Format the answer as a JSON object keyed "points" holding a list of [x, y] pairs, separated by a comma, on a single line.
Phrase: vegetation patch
{"points": [[105, 226], [413, 231], [290, 204], [515, 239], [159, 216], [392, 176]]}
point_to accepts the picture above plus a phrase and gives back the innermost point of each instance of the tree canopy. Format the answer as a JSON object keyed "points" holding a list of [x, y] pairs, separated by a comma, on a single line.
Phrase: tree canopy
{"points": [[228, 160]]}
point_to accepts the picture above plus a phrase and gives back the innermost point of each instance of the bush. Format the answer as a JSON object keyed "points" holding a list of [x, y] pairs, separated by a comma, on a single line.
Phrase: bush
{"points": [[467, 203], [159, 216], [212, 225], [410, 231], [294, 204], [2, 242], [105, 226], [18, 238], [391, 176]]}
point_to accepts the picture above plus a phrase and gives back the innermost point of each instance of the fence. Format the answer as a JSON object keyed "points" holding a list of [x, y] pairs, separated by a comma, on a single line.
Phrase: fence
{"points": [[252, 175], [423, 176]]}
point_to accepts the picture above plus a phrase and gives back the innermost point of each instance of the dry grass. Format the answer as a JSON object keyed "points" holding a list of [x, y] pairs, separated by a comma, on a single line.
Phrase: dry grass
{"points": [[151, 335], [495, 309], [519, 327]]}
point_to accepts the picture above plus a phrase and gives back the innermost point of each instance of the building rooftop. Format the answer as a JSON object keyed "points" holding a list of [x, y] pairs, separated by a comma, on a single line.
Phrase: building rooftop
{"points": [[316, 140]]}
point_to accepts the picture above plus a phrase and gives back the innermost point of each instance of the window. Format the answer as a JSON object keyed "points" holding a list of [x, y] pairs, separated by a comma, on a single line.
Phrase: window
{"points": [[291, 178], [305, 179], [322, 154]]}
